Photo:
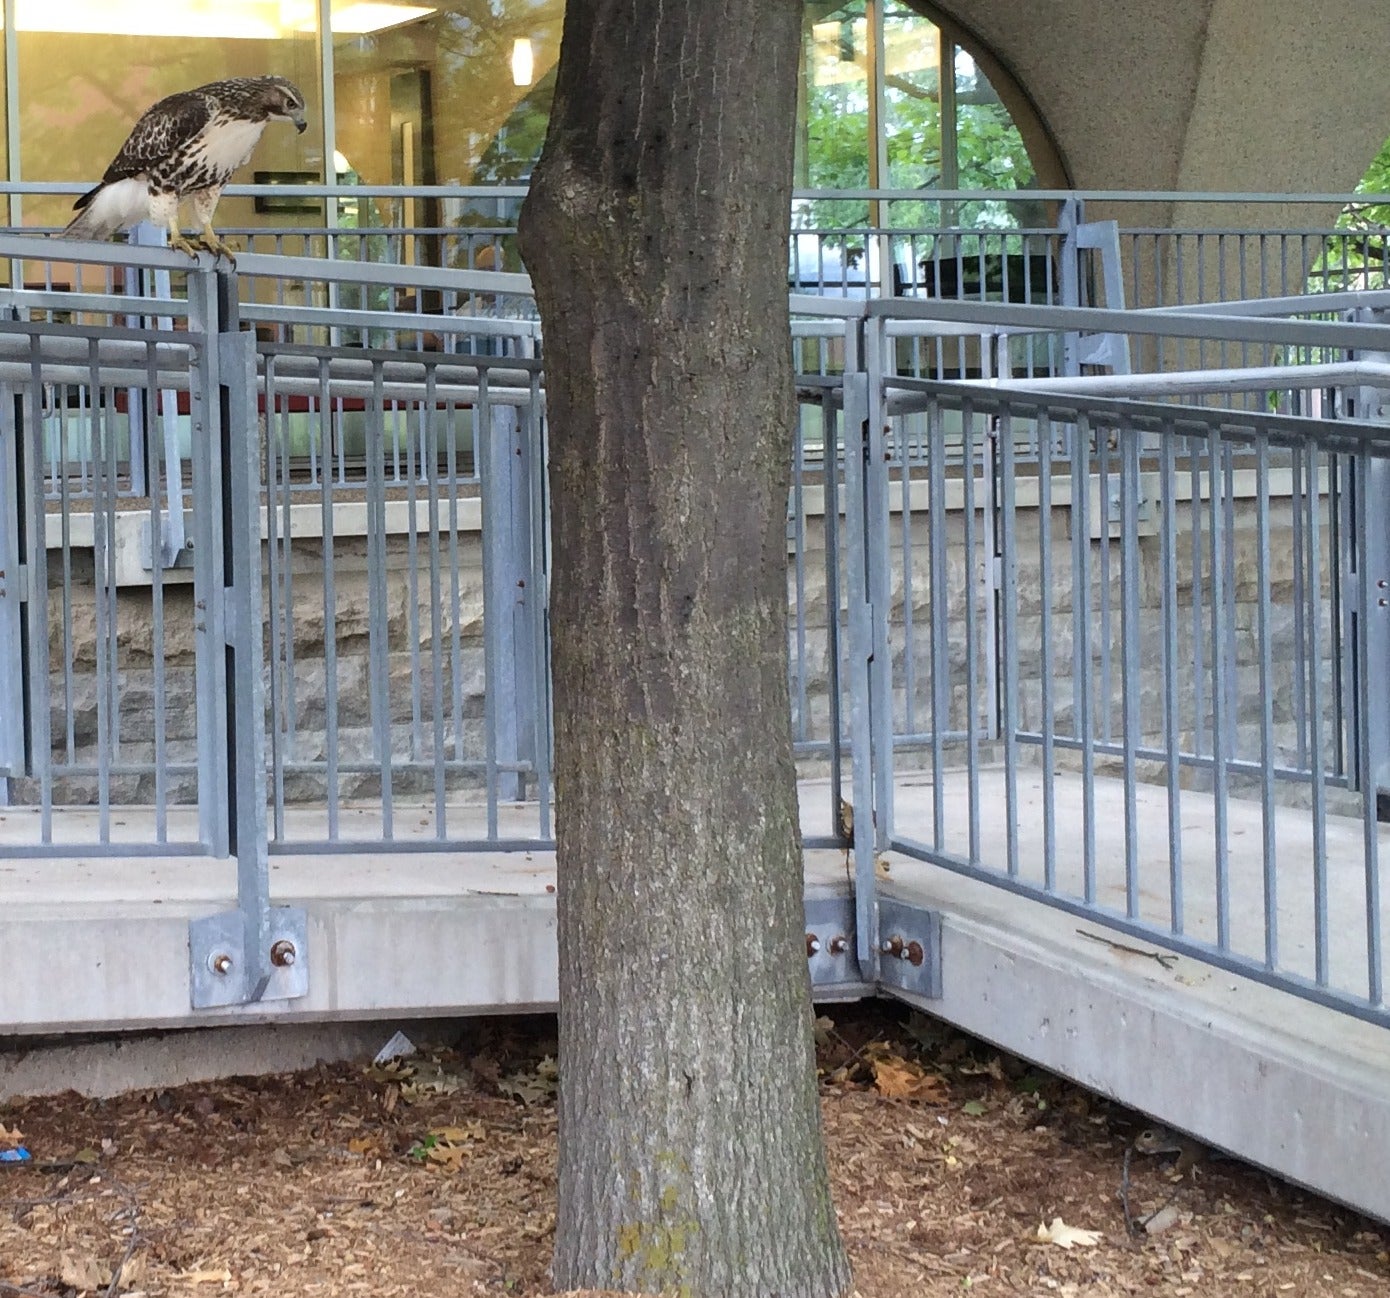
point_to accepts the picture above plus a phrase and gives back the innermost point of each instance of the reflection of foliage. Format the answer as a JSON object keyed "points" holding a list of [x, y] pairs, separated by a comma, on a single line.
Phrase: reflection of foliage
{"points": [[508, 160], [1356, 257], [989, 152]]}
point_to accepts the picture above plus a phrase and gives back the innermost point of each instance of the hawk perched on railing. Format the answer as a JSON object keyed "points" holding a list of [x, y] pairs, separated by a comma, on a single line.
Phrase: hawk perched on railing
{"points": [[185, 146]]}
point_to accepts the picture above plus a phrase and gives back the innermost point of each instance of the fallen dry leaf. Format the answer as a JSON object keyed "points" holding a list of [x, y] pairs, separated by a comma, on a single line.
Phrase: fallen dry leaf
{"points": [[205, 1277], [1065, 1236], [83, 1272], [901, 1079], [531, 1088]]}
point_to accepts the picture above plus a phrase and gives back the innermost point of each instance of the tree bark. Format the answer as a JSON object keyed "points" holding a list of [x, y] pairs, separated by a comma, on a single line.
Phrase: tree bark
{"points": [[691, 1157]]}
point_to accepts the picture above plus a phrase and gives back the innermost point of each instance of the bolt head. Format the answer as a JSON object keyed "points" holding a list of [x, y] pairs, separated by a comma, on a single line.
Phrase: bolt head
{"points": [[283, 954], [221, 963]]}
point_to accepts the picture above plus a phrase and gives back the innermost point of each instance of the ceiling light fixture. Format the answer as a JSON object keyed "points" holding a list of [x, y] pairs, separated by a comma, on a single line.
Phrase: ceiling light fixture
{"points": [[523, 61]]}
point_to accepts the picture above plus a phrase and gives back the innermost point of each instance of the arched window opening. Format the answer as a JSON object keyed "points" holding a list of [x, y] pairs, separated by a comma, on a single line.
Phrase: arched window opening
{"points": [[1357, 254], [891, 99]]}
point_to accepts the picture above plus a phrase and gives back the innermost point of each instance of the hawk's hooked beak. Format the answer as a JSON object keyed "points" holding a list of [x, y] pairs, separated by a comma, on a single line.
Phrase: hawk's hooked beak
{"points": [[297, 118]]}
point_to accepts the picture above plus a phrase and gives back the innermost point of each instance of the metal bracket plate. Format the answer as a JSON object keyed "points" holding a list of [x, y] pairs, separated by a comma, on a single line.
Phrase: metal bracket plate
{"points": [[910, 940], [830, 943], [220, 973], [175, 549]]}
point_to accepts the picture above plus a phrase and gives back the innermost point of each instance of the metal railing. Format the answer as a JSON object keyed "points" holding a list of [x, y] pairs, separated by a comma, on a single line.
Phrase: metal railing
{"points": [[1031, 247], [106, 702], [1111, 649], [1119, 654]]}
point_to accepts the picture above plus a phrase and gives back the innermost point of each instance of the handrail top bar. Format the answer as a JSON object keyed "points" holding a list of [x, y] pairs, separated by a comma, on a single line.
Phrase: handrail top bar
{"points": [[270, 266], [396, 321], [1220, 327], [814, 304], [1220, 418], [1291, 304], [1086, 195], [26, 187], [38, 247], [33, 246]]}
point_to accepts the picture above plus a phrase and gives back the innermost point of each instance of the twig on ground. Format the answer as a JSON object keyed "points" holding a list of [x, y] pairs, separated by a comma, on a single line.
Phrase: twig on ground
{"points": [[131, 1244], [1139, 1225]]}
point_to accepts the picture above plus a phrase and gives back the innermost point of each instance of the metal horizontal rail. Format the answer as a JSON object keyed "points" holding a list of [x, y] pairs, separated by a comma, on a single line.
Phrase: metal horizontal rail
{"points": [[404, 366], [336, 271], [483, 192], [396, 322], [910, 395], [1289, 305], [1199, 327], [1256, 378], [38, 247]]}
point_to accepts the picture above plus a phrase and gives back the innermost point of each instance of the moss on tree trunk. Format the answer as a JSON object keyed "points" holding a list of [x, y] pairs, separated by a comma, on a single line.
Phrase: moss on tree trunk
{"points": [[691, 1157]]}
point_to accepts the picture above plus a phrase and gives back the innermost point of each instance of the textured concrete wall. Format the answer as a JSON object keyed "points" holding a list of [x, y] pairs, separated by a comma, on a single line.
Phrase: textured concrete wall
{"points": [[1198, 94]]}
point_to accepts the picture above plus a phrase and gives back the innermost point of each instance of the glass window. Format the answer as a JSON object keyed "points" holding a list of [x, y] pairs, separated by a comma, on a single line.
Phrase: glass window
{"points": [[89, 68], [912, 103], [863, 63], [832, 138], [459, 95], [989, 149]]}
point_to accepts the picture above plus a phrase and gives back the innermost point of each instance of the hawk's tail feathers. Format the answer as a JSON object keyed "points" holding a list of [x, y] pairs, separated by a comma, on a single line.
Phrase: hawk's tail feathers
{"points": [[109, 208]]}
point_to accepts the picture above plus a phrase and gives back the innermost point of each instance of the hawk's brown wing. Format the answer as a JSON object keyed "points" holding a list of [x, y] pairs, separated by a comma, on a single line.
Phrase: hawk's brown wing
{"points": [[162, 128]]}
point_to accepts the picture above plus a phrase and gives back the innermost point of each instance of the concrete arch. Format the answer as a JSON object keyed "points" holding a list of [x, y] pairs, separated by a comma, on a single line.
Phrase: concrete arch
{"points": [[1198, 94]]}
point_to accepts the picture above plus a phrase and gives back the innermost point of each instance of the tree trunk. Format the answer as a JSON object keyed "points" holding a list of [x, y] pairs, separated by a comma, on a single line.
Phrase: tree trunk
{"points": [[656, 232]]}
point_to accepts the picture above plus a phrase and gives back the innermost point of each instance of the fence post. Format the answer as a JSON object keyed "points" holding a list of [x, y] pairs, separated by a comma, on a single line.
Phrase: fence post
{"points": [[1371, 499], [860, 618], [11, 593], [509, 571], [162, 406], [258, 951]]}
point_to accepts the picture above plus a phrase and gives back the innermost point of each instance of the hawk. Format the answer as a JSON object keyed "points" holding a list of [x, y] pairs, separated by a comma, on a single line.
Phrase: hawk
{"points": [[185, 146]]}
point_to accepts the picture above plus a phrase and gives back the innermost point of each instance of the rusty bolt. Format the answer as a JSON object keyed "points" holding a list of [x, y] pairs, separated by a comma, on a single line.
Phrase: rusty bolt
{"points": [[892, 945], [220, 963], [914, 954], [838, 946], [812, 945], [282, 954]]}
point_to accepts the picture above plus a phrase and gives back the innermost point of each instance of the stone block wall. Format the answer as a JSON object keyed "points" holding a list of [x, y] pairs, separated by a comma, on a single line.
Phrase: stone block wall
{"points": [[417, 658], [1052, 668]]}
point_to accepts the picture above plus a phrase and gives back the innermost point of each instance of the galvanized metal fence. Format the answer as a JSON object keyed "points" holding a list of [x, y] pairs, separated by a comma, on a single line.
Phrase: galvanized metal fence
{"points": [[1115, 653], [104, 700], [1119, 655], [408, 566], [391, 243]]}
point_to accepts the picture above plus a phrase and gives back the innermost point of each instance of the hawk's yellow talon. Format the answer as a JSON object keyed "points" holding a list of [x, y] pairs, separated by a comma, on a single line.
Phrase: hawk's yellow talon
{"points": [[179, 244], [217, 246]]}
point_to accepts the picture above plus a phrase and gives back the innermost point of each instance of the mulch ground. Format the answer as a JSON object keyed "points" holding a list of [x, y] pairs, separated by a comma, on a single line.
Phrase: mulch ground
{"points": [[436, 1175]]}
